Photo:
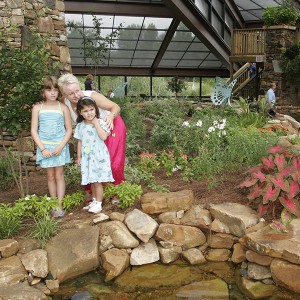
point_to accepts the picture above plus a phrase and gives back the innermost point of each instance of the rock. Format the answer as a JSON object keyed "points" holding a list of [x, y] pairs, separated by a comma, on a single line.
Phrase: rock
{"points": [[205, 289], [197, 216], [36, 262], [120, 235], [100, 218], [21, 291], [73, 252], [168, 255], [221, 240], [12, 271], [52, 285], [8, 247], [116, 216], [194, 256], [236, 216], [28, 245], [258, 272], [184, 236], [286, 274], [145, 253], [114, 262], [156, 203], [218, 255], [262, 260], [142, 225], [218, 226], [169, 217], [256, 289], [239, 254]]}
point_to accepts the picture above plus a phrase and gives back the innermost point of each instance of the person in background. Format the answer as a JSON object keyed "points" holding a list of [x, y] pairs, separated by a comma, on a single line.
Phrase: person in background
{"points": [[51, 129], [92, 153], [271, 99], [252, 70], [88, 84], [109, 112]]}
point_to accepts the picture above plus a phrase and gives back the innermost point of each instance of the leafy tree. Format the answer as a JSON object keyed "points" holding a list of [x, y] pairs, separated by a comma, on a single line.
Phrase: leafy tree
{"points": [[20, 81], [94, 46], [176, 85]]}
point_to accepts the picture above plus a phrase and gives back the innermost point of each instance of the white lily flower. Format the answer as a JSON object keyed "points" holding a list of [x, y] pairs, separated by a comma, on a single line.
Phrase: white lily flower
{"points": [[186, 123], [211, 129], [27, 198], [48, 198], [199, 123]]}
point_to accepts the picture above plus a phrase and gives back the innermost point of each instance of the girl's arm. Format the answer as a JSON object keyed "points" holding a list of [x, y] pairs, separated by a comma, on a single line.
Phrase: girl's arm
{"points": [[106, 104], [34, 131], [79, 145], [68, 126], [101, 132]]}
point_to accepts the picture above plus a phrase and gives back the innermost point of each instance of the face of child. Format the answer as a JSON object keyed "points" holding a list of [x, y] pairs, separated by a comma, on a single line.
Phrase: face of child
{"points": [[51, 94], [73, 92], [88, 112]]}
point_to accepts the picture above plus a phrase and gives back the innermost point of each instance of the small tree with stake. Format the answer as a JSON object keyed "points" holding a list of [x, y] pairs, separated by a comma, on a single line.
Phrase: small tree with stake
{"points": [[176, 85]]}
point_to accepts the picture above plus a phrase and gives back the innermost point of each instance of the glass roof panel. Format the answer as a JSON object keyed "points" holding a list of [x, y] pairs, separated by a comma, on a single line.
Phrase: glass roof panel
{"points": [[142, 62], [121, 54], [106, 21], [149, 45], [188, 64], [145, 54]]}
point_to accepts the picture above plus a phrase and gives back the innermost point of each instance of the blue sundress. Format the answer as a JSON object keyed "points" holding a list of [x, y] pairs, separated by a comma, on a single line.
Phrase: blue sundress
{"points": [[51, 132], [95, 161]]}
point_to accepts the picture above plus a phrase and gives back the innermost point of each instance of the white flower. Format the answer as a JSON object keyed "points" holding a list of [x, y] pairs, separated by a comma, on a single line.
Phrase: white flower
{"points": [[199, 123], [186, 123], [27, 198], [220, 126], [215, 123], [48, 198], [176, 168], [211, 129], [219, 134], [224, 132]]}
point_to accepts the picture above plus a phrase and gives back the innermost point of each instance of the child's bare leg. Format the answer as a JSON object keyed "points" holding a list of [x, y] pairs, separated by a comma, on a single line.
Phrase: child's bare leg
{"points": [[60, 184], [51, 182], [98, 188]]}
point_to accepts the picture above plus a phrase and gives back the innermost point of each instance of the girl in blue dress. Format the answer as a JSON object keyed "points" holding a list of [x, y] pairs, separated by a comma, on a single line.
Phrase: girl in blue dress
{"points": [[51, 129], [92, 153]]}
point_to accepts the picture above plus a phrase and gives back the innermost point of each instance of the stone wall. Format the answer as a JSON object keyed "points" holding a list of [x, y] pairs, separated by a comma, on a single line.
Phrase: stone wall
{"points": [[279, 38], [45, 17]]}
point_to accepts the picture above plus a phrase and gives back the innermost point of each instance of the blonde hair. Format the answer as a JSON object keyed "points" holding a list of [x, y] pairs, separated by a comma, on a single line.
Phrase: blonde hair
{"points": [[67, 79], [89, 76]]}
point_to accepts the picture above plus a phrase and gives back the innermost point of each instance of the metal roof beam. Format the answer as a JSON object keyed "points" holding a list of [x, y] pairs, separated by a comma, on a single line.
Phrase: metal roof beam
{"points": [[196, 22], [236, 13], [117, 8], [164, 45], [163, 72]]}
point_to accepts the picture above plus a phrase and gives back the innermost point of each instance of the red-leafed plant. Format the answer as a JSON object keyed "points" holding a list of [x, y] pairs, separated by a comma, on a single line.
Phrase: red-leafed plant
{"points": [[275, 186]]}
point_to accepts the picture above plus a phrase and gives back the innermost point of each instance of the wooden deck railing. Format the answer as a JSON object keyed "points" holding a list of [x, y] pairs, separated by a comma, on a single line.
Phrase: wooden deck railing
{"points": [[248, 42]]}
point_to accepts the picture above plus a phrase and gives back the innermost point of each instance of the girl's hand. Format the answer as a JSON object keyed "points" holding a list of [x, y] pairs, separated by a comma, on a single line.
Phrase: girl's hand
{"points": [[57, 150], [46, 153], [109, 120], [78, 161], [95, 121]]}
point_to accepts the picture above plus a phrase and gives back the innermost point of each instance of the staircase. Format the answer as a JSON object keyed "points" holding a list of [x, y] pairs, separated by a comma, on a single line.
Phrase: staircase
{"points": [[245, 87]]}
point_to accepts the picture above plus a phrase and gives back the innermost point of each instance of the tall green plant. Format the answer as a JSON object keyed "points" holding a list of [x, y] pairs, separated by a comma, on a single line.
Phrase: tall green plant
{"points": [[20, 80], [94, 45], [283, 14]]}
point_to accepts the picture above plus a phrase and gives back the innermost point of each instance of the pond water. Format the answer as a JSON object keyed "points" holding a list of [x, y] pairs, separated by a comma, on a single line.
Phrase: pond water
{"points": [[162, 282]]}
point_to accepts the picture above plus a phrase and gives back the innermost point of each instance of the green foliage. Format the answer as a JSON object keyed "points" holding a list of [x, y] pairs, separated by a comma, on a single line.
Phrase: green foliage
{"points": [[274, 186], [43, 229], [35, 206], [20, 81], [126, 192], [136, 128], [176, 85], [74, 200], [10, 221], [290, 62], [95, 44], [6, 176], [72, 175], [283, 14]]}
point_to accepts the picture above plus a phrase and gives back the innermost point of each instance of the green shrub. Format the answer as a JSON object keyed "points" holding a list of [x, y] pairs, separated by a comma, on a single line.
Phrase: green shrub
{"points": [[71, 201], [126, 192], [35, 206], [283, 14], [43, 229], [10, 221]]}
